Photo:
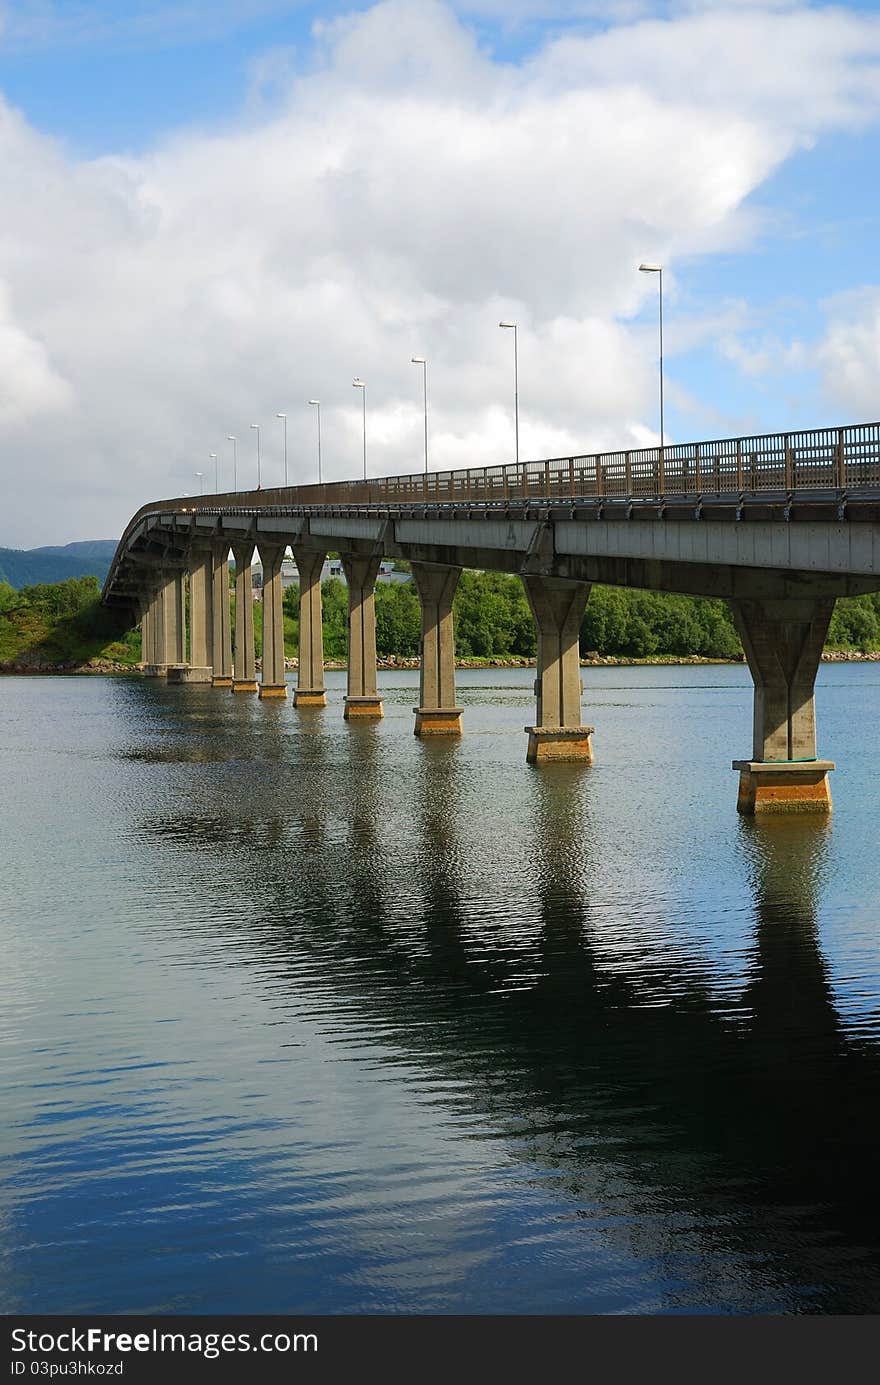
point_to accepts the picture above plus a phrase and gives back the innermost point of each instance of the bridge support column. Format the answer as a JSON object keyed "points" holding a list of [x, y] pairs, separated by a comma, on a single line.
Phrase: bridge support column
{"points": [[558, 608], [310, 690], [362, 698], [244, 678], [200, 621], [221, 639], [146, 632], [154, 652], [273, 682], [175, 618], [437, 714], [783, 643]]}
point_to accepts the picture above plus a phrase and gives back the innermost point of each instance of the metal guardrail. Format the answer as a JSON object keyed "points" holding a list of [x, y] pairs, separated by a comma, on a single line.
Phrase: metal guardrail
{"points": [[838, 459]]}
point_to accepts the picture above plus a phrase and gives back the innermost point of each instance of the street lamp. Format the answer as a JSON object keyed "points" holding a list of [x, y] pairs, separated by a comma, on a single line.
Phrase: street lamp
{"points": [[360, 384], [515, 384], [213, 456], [317, 404], [230, 438], [284, 418], [200, 474], [259, 472], [658, 270], [420, 360]]}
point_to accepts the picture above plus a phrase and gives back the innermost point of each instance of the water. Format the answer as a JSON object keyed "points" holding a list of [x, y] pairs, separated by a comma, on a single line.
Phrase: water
{"points": [[302, 1016]]}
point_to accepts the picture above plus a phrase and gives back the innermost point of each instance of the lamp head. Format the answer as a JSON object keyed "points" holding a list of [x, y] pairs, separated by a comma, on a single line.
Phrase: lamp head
{"points": [[651, 268], [314, 401], [507, 324], [359, 384], [418, 360]]}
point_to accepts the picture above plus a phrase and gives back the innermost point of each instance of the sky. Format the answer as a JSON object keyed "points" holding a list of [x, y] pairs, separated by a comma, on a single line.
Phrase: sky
{"points": [[215, 210]]}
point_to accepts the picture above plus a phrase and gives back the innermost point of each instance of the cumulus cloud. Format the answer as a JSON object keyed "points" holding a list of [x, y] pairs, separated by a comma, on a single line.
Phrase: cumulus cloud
{"points": [[849, 353], [407, 193]]}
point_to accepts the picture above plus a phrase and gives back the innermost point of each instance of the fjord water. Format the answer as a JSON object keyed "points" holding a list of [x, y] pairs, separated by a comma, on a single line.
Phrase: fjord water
{"points": [[302, 1016]]}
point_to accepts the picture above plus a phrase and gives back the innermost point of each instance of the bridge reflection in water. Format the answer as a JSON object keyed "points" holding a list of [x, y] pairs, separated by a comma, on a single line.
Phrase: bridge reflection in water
{"points": [[728, 1124]]}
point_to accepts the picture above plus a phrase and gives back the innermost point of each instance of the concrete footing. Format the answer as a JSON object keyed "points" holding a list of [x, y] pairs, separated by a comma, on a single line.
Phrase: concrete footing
{"points": [[559, 743], [221, 682], [310, 697], [155, 670], [437, 721], [363, 707], [189, 673], [783, 786], [273, 690], [245, 685]]}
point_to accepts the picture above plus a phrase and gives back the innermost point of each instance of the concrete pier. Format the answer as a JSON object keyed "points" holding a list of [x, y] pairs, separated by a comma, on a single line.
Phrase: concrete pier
{"points": [[244, 677], [171, 622], [783, 641], [152, 633], [201, 624], [310, 691], [558, 608], [273, 682], [189, 673], [222, 630], [146, 607], [362, 697], [436, 714]]}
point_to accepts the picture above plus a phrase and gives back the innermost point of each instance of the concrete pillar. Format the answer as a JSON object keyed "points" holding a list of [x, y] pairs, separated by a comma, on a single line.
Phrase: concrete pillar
{"points": [[155, 662], [783, 642], [146, 633], [558, 608], [174, 608], [222, 630], [244, 677], [437, 714], [310, 674], [201, 625], [362, 698], [273, 683]]}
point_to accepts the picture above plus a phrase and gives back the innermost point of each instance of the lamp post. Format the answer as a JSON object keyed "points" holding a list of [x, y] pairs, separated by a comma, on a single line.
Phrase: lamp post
{"points": [[213, 456], [420, 360], [658, 270], [259, 471], [360, 384], [200, 474], [515, 384], [283, 417], [317, 404], [230, 438]]}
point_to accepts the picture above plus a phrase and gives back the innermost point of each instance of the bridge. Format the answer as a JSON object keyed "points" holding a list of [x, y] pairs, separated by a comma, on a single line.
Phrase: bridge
{"points": [[779, 525]]}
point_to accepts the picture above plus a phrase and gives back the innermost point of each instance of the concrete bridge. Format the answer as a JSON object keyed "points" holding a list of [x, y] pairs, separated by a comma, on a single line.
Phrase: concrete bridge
{"points": [[778, 525]]}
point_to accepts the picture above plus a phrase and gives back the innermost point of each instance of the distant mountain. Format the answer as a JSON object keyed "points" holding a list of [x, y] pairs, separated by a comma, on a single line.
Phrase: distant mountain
{"points": [[26, 567], [102, 549]]}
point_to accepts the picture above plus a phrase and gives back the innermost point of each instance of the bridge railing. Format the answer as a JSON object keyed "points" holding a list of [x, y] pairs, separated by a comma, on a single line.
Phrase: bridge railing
{"points": [[838, 459]]}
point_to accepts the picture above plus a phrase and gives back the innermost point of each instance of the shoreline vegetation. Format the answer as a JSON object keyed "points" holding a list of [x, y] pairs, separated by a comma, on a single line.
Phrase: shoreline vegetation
{"points": [[62, 628]]}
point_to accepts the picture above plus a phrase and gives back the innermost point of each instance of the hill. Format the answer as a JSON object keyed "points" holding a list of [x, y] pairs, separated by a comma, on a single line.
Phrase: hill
{"points": [[25, 567], [62, 626]]}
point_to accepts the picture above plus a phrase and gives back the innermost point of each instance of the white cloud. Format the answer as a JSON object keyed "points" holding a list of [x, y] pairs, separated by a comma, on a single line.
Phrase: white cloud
{"points": [[849, 353], [406, 194], [32, 388]]}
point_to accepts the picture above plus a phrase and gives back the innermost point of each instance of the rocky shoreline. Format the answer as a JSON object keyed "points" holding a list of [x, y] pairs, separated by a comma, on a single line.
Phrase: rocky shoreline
{"points": [[23, 666]]}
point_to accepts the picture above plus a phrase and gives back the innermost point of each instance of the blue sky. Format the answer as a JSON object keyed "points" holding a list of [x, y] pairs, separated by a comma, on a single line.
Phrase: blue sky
{"points": [[221, 210]]}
